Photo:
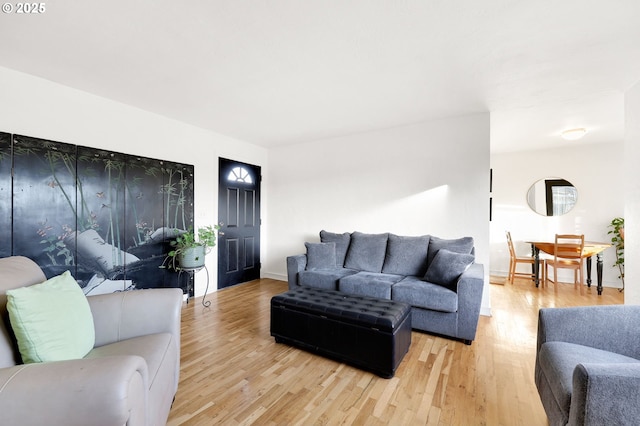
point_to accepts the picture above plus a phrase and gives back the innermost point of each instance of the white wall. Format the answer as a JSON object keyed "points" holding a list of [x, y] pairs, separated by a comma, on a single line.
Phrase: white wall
{"points": [[632, 195], [594, 169], [427, 178], [36, 107]]}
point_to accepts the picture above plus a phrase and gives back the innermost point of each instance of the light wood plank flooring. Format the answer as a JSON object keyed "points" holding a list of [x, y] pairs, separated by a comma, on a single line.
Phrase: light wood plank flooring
{"points": [[234, 373]]}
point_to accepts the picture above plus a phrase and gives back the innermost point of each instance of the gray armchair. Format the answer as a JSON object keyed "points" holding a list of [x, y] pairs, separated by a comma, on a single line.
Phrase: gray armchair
{"points": [[130, 377], [587, 367]]}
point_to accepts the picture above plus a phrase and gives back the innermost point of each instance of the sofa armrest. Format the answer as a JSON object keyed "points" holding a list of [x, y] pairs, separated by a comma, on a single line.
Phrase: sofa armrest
{"points": [[128, 314], [295, 264], [101, 391], [611, 328], [469, 288], [605, 394]]}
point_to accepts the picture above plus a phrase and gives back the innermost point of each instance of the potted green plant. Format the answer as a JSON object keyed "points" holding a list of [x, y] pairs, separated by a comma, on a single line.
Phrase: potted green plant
{"points": [[617, 240], [190, 248]]}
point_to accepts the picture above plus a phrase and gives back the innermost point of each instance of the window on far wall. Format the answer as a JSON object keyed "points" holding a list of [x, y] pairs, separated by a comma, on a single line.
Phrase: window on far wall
{"points": [[561, 197], [240, 174]]}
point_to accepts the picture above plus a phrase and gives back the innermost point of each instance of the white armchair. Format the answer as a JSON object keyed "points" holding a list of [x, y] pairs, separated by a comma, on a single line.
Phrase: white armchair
{"points": [[130, 377]]}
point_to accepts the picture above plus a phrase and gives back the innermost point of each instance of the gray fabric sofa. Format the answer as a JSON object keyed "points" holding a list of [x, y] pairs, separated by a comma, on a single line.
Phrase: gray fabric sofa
{"points": [[437, 277], [129, 378], [587, 367]]}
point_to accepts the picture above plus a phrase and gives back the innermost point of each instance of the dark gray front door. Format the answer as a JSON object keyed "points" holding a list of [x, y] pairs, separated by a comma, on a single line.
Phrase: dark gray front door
{"points": [[239, 213]]}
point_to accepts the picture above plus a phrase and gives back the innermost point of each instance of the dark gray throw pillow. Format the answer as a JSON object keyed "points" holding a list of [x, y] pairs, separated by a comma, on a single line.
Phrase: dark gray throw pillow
{"points": [[462, 245], [342, 244], [447, 266], [321, 256], [366, 252]]}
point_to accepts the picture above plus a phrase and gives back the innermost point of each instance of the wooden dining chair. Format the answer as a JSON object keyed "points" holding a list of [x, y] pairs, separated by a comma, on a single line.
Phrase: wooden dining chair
{"points": [[567, 254], [514, 260]]}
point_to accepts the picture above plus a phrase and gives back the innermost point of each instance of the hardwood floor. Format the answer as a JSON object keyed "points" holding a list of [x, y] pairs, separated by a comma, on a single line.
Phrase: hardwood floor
{"points": [[234, 373]]}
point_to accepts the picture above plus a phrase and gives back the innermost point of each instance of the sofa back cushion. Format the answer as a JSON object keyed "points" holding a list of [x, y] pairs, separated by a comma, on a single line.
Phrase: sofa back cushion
{"points": [[342, 244], [406, 255], [462, 245], [366, 252]]}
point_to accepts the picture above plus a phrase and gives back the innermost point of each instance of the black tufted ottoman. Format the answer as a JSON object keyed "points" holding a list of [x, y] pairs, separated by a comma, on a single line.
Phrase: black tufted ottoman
{"points": [[372, 334]]}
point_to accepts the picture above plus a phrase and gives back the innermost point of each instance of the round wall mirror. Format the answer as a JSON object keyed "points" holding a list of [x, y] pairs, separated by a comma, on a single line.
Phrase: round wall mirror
{"points": [[552, 196]]}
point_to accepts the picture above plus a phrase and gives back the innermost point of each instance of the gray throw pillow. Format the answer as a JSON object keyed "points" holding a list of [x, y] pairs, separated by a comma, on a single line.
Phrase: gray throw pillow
{"points": [[447, 266], [342, 244], [366, 252], [406, 255], [462, 245], [321, 256]]}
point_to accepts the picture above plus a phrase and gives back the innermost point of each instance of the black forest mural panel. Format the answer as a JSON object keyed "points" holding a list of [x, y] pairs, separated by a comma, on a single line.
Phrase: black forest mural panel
{"points": [[107, 217], [5, 194], [44, 202]]}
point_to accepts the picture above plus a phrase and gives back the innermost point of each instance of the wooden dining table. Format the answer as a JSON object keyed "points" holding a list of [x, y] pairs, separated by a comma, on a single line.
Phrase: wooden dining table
{"points": [[590, 249]]}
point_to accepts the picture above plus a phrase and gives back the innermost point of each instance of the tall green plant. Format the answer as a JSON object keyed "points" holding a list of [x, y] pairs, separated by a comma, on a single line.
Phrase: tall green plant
{"points": [[617, 240]]}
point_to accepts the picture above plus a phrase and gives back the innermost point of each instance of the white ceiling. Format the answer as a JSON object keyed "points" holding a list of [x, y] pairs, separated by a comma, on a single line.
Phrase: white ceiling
{"points": [[275, 72]]}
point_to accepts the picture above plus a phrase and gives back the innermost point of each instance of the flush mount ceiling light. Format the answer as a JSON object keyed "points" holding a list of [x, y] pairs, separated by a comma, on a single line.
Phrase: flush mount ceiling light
{"points": [[573, 134]]}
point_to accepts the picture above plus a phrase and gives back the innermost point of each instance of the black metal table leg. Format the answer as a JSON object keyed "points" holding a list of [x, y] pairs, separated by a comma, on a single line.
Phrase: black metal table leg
{"points": [[599, 272], [589, 271], [536, 264]]}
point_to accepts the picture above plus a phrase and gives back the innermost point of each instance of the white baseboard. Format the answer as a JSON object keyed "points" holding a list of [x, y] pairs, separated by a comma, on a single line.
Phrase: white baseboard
{"points": [[279, 277], [484, 311]]}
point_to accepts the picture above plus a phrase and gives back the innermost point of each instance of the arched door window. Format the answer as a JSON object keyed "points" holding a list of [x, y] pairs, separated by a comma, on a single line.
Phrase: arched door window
{"points": [[240, 174]]}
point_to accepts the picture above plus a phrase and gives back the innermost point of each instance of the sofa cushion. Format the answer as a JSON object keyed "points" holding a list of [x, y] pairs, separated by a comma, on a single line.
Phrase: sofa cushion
{"points": [[321, 256], [447, 266], [323, 279], [52, 321], [458, 245], [406, 255], [342, 244], [366, 252], [557, 360], [369, 284], [421, 294]]}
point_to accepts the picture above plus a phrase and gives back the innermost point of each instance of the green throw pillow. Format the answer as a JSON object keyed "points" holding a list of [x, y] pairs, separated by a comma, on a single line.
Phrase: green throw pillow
{"points": [[52, 321]]}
